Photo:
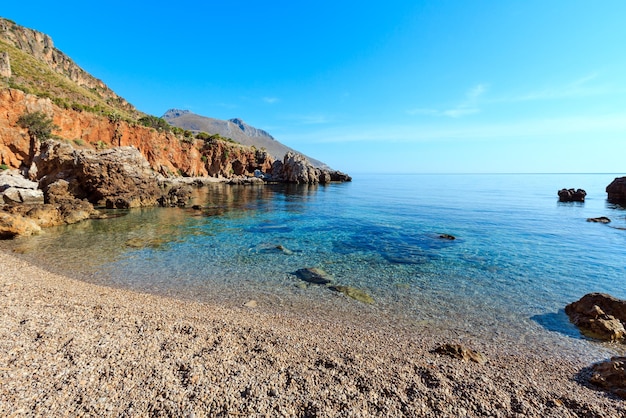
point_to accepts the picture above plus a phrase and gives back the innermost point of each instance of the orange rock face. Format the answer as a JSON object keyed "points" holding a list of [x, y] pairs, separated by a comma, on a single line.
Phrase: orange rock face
{"points": [[166, 153]]}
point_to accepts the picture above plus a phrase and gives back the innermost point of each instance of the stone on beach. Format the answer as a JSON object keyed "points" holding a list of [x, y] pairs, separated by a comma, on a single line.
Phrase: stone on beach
{"points": [[461, 352], [610, 375]]}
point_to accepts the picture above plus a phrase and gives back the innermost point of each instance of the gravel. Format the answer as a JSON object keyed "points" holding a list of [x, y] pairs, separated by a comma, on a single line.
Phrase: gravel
{"points": [[69, 348]]}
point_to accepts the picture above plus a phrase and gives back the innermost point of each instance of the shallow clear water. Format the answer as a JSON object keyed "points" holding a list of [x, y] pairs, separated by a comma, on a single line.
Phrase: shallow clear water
{"points": [[518, 258]]}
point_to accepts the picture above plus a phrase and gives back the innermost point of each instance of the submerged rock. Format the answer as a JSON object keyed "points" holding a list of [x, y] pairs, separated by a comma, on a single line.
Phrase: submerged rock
{"points": [[353, 293], [599, 316], [461, 352], [141, 242], [601, 220], [610, 375], [284, 250], [447, 236], [313, 275]]}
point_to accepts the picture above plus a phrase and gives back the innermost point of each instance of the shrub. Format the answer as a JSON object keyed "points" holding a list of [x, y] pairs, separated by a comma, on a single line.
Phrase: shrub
{"points": [[39, 125], [4, 167], [79, 142], [159, 124]]}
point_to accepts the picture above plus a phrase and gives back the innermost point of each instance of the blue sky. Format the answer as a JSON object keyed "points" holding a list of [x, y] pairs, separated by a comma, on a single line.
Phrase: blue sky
{"points": [[395, 86]]}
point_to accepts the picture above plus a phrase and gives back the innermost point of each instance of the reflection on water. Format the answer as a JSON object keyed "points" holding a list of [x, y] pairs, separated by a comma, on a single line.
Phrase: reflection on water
{"points": [[514, 261]]}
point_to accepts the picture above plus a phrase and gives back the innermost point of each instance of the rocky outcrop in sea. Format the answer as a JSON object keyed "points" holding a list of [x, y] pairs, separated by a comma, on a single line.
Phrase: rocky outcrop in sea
{"points": [[617, 190]]}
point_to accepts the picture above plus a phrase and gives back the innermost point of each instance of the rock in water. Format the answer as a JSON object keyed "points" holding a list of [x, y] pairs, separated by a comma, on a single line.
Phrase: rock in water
{"points": [[314, 275], [571, 195], [616, 191], [601, 220], [599, 316], [610, 375], [461, 352], [353, 293]]}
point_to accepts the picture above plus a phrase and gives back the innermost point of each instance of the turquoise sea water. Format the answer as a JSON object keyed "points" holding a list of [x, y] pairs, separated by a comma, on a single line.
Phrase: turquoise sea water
{"points": [[518, 258]]}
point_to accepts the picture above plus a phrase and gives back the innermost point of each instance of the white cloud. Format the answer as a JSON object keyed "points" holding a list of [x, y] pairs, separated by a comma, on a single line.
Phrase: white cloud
{"points": [[271, 100]]}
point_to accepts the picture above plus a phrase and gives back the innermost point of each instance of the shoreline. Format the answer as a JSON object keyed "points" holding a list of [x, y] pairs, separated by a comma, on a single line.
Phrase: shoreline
{"points": [[69, 347]]}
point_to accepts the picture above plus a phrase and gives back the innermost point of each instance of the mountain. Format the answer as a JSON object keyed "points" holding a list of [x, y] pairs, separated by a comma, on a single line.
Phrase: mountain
{"points": [[235, 129]]}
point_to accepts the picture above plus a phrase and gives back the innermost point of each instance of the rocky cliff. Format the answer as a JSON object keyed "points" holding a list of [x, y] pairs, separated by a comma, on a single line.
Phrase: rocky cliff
{"points": [[167, 153]]}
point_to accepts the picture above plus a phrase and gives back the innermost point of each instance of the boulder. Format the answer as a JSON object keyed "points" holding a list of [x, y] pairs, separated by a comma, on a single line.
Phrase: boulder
{"points": [[13, 195], [571, 195], [11, 178], [610, 375], [176, 196], [118, 177], [599, 316], [12, 225], [616, 191]]}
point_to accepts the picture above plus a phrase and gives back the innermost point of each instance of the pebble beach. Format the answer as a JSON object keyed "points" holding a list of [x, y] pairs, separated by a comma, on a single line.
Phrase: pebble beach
{"points": [[69, 348]]}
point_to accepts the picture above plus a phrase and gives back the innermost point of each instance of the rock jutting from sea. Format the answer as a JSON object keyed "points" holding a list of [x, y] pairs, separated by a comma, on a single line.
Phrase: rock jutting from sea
{"points": [[616, 191]]}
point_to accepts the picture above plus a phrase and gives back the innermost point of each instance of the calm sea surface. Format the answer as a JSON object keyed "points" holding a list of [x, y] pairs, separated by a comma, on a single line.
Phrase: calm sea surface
{"points": [[518, 258]]}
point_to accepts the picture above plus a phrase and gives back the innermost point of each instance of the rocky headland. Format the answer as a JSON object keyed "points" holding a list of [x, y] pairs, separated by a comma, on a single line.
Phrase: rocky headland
{"points": [[83, 146]]}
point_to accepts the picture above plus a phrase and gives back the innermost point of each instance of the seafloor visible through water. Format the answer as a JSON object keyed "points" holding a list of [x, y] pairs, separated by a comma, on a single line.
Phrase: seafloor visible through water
{"points": [[518, 258]]}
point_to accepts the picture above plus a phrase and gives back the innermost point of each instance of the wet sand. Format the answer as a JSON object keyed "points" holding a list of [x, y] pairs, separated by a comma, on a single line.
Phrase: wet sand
{"points": [[69, 348]]}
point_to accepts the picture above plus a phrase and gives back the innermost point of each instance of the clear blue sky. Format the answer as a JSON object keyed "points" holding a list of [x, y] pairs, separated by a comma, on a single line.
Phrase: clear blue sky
{"points": [[393, 86]]}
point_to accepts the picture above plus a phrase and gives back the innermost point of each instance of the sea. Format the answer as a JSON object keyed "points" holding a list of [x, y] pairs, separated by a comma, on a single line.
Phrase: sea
{"points": [[517, 258]]}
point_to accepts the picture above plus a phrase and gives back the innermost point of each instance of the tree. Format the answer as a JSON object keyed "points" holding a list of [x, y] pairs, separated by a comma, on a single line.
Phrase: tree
{"points": [[39, 125]]}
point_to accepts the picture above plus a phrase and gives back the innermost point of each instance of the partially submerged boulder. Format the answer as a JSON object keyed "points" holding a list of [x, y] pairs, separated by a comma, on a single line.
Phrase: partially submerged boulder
{"points": [[599, 316], [600, 220], [572, 195], [616, 191]]}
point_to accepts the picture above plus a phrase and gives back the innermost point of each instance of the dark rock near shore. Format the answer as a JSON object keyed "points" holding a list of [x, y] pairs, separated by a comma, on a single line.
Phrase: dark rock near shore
{"points": [[599, 316], [617, 190], [572, 195]]}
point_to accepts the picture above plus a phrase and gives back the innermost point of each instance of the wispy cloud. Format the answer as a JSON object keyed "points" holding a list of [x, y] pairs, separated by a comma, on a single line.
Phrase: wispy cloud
{"points": [[271, 100], [599, 125], [310, 119], [584, 86], [468, 106]]}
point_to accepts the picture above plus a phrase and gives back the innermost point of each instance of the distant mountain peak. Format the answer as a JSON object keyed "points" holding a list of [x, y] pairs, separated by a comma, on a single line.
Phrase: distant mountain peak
{"points": [[235, 129], [174, 113], [250, 130]]}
